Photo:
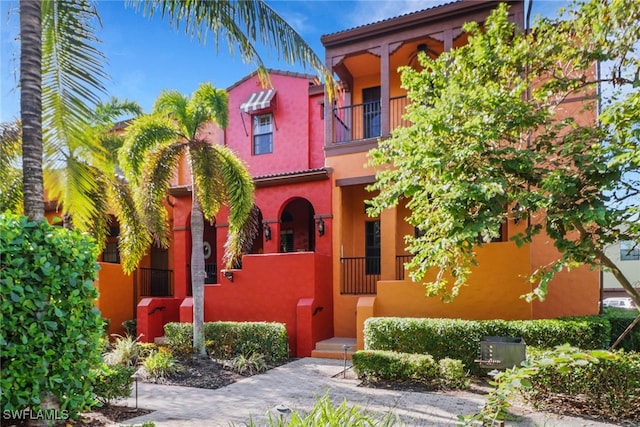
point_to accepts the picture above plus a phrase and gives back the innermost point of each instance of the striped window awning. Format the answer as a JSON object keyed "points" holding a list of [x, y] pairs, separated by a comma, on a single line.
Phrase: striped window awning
{"points": [[258, 101]]}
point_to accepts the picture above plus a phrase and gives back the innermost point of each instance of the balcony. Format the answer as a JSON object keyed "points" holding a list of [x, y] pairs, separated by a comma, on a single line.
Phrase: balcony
{"points": [[156, 282], [360, 122]]}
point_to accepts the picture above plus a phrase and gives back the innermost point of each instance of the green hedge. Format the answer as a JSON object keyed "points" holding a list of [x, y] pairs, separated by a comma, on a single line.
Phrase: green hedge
{"points": [[620, 319], [460, 339], [375, 366], [50, 340], [610, 388], [225, 340]]}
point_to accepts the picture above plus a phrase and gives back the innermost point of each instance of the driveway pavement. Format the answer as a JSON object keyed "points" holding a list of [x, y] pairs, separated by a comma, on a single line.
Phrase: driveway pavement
{"points": [[298, 384]]}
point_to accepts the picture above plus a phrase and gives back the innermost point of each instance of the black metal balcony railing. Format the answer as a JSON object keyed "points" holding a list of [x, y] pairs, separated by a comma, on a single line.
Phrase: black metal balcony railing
{"points": [[360, 275], [401, 260], [156, 282], [362, 121], [211, 277]]}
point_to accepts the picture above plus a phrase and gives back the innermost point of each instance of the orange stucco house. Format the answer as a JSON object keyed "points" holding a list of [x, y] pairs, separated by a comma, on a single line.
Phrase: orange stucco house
{"points": [[368, 253], [320, 264]]}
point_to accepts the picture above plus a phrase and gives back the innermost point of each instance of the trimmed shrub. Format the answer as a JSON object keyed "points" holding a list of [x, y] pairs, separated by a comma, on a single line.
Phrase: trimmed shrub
{"points": [[375, 366], [452, 374], [113, 383], [226, 340], [50, 340], [620, 319], [460, 339], [607, 387]]}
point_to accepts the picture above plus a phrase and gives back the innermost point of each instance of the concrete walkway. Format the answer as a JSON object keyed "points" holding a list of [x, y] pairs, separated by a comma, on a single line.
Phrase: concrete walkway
{"points": [[298, 385]]}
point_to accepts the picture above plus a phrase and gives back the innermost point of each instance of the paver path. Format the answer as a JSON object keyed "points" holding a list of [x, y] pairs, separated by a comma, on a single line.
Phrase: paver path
{"points": [[297, 385]]}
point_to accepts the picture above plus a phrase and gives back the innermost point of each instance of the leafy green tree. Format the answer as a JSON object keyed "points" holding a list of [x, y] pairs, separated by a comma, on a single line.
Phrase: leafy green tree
{"points": [[153, 148], [488, 136]]}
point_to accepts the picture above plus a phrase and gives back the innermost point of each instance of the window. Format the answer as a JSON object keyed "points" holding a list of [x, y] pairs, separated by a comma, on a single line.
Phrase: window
{"points": [[372, 247], [263, 134], [629, 251], [111, 252]]}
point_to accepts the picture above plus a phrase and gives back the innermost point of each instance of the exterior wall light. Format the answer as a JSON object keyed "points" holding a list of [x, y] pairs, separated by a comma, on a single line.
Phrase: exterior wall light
{"points": [[267, 231], [320, 225]]}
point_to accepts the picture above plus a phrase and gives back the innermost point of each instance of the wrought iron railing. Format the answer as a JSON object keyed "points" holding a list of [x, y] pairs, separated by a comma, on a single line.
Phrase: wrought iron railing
{"points": [[156, 282], [359, 275], [212, 276], [362, 121], [401, 260]]}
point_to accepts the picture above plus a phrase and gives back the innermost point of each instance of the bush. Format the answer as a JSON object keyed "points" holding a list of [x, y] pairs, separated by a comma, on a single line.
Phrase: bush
{"points": [[452, 374], [50, 340], [226, 340], [113, 383], [160, 364], [610, 387], [253, 364], [375, 366], [126, 351], [460, 339], [620, 319], [130, 327], [324, 413]]}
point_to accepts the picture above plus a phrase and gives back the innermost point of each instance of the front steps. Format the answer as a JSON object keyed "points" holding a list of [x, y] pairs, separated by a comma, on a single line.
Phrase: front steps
{"points": [[333, 348]]}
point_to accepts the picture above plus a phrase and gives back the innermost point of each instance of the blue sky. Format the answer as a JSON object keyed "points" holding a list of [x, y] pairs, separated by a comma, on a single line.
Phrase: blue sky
{"points": [[146, 56]]}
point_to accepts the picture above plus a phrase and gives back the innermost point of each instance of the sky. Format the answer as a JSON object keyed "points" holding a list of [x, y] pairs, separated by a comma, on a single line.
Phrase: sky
{"points": [[145, 56]]}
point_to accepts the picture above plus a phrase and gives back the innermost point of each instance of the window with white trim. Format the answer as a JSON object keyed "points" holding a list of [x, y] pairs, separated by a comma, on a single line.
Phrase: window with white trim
{"points": [[629, 251], [263, 133]]}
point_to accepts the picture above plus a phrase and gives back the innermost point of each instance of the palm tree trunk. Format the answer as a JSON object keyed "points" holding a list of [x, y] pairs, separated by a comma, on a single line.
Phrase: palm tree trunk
{"points": [[31, 108], [197, 273]]}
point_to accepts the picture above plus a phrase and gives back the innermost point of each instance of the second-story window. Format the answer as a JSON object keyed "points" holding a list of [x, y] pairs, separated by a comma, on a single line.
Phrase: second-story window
{"points": [[263, 133]]}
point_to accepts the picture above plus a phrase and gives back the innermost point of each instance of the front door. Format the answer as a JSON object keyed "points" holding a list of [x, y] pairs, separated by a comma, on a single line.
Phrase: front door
{"points": [[371, 111]]}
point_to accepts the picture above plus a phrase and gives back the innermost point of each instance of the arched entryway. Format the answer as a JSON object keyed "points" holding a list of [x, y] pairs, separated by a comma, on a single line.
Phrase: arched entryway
{"points": [[297, 227]]}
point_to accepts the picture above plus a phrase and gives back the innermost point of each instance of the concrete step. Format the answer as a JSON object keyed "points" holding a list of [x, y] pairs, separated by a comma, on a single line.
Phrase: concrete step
{"points": [[334, 348]]}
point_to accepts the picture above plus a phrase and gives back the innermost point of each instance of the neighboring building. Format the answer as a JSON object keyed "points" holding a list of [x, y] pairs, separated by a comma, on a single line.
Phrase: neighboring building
{"points": [[278, 132], [368, 253], [626, 255]]}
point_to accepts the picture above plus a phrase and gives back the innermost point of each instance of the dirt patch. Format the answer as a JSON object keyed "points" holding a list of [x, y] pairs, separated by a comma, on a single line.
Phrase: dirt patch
{"points": [[203, 372]]}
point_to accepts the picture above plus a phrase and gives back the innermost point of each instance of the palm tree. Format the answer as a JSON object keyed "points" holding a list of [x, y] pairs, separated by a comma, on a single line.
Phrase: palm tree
{"points": [[31, 108], [62, 74], [153, 148]]}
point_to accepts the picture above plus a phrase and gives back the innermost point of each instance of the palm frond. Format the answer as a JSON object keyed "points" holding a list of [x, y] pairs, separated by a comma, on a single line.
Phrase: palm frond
{"points": [[208, 103], [205, 168], [10, 171], [173, 104], [243, 24], [159, 165], [110, 112], [76, 188], [135, 240], [72, 70], [142, 134], [239, 190]]}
